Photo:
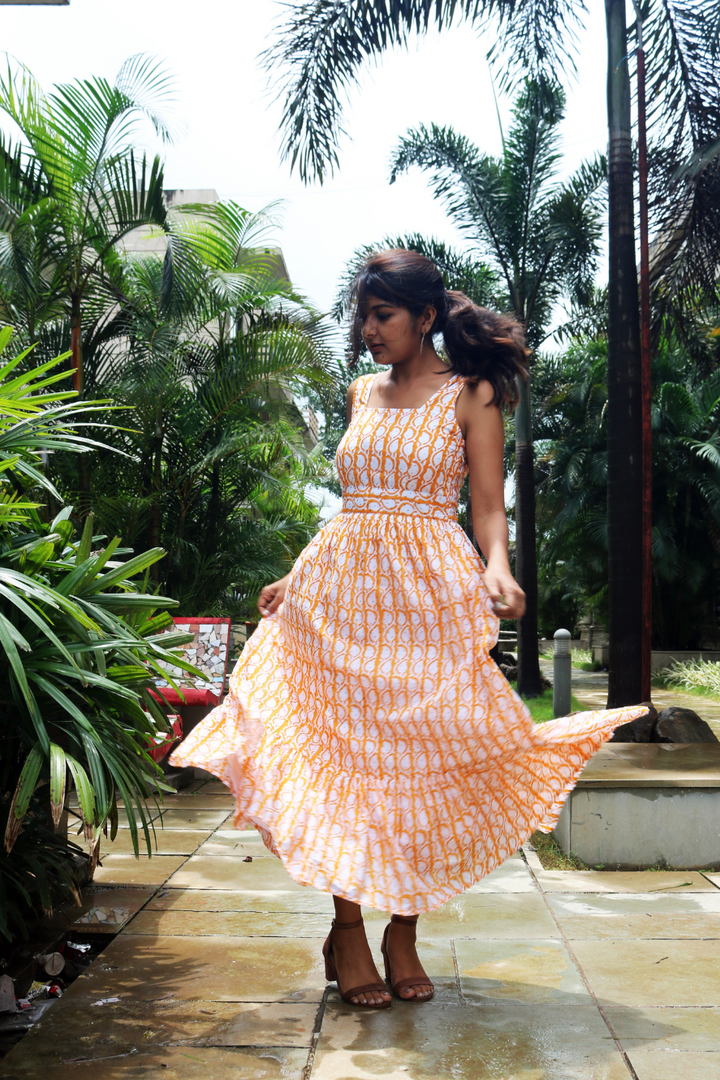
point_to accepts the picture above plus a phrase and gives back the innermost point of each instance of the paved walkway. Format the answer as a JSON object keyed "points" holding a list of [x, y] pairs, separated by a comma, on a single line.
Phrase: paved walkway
{"points": [[216, 974]]}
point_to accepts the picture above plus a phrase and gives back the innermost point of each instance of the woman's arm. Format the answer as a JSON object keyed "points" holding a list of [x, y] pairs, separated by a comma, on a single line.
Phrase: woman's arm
{"points": [[482, 427]]}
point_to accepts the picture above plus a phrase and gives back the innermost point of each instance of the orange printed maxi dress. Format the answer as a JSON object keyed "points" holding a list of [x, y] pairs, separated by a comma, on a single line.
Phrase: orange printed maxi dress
{"points": [[366, 733]]}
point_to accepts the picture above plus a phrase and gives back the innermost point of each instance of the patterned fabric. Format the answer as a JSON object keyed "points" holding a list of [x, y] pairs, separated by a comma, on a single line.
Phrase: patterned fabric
{"points": [[367, 733]]}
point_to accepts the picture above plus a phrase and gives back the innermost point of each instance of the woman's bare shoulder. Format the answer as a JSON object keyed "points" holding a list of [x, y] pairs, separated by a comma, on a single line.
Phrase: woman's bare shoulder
{"points": [[473, 397], [350, 397]]}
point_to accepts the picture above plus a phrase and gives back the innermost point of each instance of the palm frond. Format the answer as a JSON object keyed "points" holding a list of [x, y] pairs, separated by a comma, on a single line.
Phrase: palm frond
{"points": [[321, 47]]}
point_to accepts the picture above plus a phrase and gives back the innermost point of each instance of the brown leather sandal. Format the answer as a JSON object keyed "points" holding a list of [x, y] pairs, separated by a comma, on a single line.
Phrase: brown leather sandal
{"points": [[331, 972], [402, 984]]}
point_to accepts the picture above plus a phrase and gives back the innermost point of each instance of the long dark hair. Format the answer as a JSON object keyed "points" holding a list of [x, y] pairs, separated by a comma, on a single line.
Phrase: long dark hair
{"points": [[479, 344]]}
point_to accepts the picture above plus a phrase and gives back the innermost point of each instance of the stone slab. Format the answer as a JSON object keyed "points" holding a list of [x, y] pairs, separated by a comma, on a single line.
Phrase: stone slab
{"points": [[624, 917], [118, 1027], [308, 901], [151, 814], [140, 870], [165, 842], [235, 848], [192, 819], [199, 800], [451, 1042], [666, 1029], [226, 872], [512, 876], [666, 1065], [532, 972], [217, 969], [483, 915], [696, 765], [652, 973], [619, 881], [171, 1063], [203, 924]]}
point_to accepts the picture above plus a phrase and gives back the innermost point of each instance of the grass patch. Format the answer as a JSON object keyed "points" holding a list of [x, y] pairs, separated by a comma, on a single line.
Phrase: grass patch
{"points": [[692, 676], [550, 855], [694, 691], [554, 858], [582, 659], [541, 708]]}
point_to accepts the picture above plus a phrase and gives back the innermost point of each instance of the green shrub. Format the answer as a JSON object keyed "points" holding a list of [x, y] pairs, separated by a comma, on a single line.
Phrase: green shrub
{"points": [[80, 644], [702, 676]]}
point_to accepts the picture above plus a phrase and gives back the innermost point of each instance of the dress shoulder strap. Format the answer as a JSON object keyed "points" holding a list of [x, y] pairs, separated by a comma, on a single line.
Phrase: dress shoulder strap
{"points": [[451, 390]]}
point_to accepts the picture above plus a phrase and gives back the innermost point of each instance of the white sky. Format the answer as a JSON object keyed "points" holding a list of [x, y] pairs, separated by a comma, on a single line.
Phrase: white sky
{"points": [[227, 137]]}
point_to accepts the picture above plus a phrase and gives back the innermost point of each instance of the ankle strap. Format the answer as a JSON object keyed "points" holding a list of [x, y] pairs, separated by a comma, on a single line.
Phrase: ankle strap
{"points": [[346, 925], [406, 920]]}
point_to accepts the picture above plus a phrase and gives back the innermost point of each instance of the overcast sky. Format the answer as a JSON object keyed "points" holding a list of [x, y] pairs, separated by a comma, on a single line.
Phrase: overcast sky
{"points": [[227, 122]]}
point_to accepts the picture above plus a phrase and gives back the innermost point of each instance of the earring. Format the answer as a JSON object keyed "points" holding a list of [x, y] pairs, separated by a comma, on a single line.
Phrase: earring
{"points": [[422, 343]]}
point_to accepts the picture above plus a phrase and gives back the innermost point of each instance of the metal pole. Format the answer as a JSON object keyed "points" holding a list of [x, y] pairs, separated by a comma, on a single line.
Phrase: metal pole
{"points": [[646, 366], [562, 673]]}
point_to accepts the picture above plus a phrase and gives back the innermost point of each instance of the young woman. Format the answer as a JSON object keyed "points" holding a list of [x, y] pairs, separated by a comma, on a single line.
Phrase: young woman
{"points": [[367, 734]]}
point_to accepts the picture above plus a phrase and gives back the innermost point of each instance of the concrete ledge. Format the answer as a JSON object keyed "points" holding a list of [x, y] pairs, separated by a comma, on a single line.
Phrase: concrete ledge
{"points": [[637, 806]]}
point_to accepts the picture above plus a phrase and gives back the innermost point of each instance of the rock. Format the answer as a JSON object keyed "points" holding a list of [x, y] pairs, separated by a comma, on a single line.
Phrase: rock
{"points": [[509, 672], [678, 725], [639, 730], [506, 658]]}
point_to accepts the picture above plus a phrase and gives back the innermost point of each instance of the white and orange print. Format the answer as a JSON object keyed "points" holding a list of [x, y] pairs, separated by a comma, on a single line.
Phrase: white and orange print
{"points": [[367, 734]]}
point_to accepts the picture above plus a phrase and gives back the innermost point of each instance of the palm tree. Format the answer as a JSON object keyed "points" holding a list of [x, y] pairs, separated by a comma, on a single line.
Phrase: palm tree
{"points": [[209, 340], [81, 645], [542, 240], [571, 420], [322, 46], [72, 189]]}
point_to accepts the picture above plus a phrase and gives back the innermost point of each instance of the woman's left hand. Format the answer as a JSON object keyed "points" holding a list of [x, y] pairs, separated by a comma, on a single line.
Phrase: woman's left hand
{"points": [[507, 596]]}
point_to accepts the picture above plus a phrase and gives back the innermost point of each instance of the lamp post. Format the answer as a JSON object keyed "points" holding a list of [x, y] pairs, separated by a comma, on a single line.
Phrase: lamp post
{"points": [[562, 673]]}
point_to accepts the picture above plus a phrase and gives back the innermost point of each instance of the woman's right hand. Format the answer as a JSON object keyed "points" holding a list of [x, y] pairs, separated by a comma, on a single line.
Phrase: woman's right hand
{"points": [[272, 596]]}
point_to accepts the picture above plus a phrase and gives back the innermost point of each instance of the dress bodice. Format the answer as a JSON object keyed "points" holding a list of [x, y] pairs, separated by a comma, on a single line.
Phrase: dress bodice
{"points": [[403, 461]]}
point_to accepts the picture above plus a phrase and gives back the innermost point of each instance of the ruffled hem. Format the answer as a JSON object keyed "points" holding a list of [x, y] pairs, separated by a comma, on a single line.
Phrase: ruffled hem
{"points": [[317, 836]]}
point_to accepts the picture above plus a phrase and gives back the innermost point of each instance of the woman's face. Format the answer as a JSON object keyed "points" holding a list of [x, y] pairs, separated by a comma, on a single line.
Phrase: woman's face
{"points": [[391, 333]]}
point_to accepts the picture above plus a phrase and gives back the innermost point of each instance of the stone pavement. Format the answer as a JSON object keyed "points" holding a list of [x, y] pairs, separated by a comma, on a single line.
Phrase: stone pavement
{"points": [[216, 974]]}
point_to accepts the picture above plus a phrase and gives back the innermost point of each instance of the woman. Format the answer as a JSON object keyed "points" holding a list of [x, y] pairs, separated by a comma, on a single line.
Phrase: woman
{"points": [[367, 734]]}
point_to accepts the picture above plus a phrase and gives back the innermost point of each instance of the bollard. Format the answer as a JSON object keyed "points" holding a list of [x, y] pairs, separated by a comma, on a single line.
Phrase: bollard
{"points": [[562, 668]]}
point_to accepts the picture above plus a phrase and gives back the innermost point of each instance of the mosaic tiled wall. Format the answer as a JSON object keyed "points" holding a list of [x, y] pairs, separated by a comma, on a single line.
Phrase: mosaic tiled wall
{"points": [[208, 652]]}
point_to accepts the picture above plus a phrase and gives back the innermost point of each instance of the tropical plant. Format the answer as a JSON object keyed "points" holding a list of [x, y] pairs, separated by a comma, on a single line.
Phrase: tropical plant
{"points": [[542, 242], [70, 190], [80, 646], [571, 421], [209, 342], [319, 51], [699, 675]]}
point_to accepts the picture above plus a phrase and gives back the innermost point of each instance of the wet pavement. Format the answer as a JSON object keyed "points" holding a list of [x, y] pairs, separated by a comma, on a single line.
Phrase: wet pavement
{"points": [[216, 973]]}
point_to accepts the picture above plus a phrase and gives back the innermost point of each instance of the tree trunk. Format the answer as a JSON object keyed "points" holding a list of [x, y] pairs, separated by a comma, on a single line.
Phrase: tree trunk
{"points": [[76, 342], [76, 359], [156, 516], [625, 489], [529, 679]]}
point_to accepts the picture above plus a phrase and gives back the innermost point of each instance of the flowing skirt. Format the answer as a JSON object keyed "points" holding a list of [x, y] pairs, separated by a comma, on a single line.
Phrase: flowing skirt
{"points": [[368, 735]]}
